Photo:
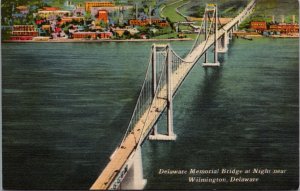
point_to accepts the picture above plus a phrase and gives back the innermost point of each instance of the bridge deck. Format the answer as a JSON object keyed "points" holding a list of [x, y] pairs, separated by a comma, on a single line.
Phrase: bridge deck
{"points": [[140, 130], [149, 118]]}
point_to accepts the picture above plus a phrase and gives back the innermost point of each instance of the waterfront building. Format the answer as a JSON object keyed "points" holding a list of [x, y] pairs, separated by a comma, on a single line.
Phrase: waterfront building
{"points": [[21, 38], [89, 5], [259, 26], [92, 35], [84, 35], [285, 28], [104, 35], [23, 32]]}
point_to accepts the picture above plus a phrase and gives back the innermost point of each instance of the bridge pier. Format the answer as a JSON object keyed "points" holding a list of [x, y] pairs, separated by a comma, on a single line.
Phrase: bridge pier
{"points": [[235, 27], [134, 179], [230, 34], [223, 43]]}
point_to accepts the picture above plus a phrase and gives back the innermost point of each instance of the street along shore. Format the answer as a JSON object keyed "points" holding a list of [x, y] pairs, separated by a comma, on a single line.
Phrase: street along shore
{"points": [[97, 40], [236, 34]]}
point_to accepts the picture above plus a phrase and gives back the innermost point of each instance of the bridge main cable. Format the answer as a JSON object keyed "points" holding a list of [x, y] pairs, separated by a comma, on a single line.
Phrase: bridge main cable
{"points": [[148, 109]]}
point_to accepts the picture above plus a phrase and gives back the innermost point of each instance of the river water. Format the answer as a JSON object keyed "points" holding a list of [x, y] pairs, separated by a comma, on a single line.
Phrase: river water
{"points": [[67, 105]]}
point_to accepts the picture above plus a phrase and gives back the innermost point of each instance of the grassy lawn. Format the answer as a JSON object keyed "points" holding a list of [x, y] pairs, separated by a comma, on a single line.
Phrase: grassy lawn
{"points": [[267, 8], [166, 36], [174, 35], [170, 11]]}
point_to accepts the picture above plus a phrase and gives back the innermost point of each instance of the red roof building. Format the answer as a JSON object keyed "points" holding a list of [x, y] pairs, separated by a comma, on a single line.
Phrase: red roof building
{"points": [[136, 22], [259, 25], [92, 35]]}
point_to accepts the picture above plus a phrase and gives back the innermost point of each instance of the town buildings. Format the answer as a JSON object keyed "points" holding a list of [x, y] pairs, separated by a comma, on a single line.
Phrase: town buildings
{"points": [[285, 28]]}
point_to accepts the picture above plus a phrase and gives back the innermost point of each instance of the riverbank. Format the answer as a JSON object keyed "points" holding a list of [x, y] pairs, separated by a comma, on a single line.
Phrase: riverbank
{"points": [[271, 36], [257, 35], [100, 40]]}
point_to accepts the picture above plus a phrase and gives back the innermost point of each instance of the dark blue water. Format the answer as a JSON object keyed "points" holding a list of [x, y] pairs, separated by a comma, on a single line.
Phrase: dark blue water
{"points": [[66, 107]]}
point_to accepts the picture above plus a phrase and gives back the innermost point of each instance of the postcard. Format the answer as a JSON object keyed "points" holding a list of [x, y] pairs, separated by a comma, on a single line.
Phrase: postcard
{"points": [[154, 95]]}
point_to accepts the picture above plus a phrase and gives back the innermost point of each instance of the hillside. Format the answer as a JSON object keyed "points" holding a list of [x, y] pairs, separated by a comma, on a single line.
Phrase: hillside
{"points": [[267, 8], [229, 8]]}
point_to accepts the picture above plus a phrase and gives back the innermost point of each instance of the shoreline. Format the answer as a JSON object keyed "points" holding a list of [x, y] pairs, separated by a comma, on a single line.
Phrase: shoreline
{"points": [[91, 41], [257, 35], [135, 40]]}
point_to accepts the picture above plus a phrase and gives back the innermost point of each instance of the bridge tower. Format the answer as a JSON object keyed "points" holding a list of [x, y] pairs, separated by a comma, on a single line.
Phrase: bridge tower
{"points": [[211, 19], [165, 49]]}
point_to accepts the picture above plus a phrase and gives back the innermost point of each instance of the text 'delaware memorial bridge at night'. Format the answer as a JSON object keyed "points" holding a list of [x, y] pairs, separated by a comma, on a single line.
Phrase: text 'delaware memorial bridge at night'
{"points": [[166, 72]]}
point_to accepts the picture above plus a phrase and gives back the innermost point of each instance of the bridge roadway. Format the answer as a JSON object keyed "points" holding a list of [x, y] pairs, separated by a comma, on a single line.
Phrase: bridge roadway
{"points": [[149, 118]]}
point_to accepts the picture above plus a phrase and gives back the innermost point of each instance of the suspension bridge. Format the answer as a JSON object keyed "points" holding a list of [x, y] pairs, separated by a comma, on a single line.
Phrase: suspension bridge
{"points": [[165, 73]]}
